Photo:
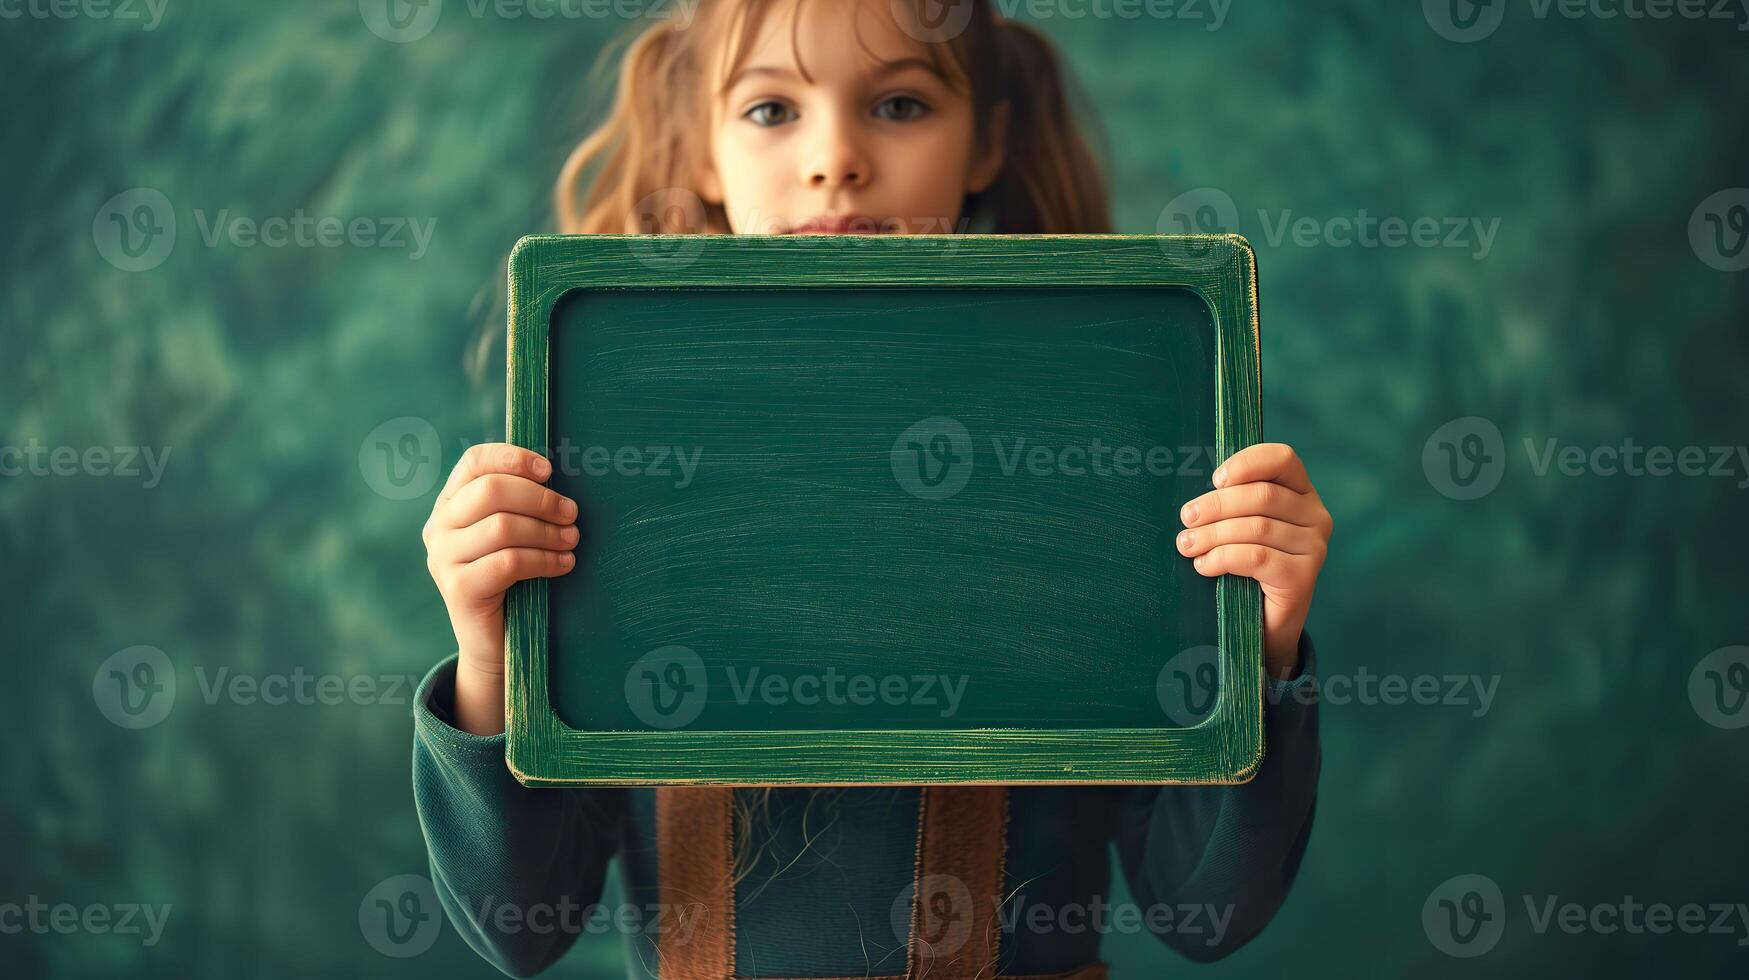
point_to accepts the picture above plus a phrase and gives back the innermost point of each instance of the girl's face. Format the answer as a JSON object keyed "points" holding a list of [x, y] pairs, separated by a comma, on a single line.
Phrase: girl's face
{"points": [[864, 144]]}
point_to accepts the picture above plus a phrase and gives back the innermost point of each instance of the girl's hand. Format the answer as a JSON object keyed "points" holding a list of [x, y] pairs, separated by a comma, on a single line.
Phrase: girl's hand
{"points": [[493, 525], [1264, 520]]}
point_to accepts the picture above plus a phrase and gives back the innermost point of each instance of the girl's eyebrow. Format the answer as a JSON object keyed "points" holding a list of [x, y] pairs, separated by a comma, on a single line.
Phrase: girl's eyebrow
{"points": [[886, 68]]}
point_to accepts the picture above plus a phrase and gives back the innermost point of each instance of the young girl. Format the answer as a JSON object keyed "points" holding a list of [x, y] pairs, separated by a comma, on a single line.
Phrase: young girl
{"points": [[848, 116]]}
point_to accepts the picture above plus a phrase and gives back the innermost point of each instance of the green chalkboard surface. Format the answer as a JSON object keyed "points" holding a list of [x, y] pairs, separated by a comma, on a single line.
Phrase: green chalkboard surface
{"points": [[872, 509]]}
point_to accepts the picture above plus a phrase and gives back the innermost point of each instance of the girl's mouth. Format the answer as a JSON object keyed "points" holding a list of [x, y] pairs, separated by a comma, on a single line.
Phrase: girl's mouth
{"points": [[841, 224]]}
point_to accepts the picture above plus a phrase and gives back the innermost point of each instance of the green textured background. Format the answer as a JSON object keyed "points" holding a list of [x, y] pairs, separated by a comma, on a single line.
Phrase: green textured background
{"points": [[1591, 319]]}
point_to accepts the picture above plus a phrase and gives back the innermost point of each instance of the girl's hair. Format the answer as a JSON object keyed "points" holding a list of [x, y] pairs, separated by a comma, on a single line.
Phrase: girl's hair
{"points": [[636, 172]]}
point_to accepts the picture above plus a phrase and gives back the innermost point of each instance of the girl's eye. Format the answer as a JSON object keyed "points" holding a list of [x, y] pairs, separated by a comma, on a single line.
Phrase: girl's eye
{"points": [[901, 108], [769, 113]]}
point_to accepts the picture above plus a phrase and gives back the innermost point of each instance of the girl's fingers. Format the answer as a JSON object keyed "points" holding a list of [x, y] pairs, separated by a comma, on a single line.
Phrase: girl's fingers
{"points": [[1267, 565], [1280, 535], [494, 457], [495, 532], [1267, 462], [496, 492], [1260, 499], [491, 574]]}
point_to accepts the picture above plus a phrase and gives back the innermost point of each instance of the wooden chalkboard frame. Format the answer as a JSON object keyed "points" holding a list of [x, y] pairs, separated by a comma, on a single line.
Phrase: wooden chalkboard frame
{"points": [[1226, 747]]}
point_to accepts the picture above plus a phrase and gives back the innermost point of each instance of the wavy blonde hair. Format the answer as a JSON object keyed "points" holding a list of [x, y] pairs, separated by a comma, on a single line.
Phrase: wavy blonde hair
{"points": [[628, 175]]}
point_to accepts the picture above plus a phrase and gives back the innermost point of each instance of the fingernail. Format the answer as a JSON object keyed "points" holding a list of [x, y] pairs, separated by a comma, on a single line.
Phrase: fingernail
{"points": [[1186, 540], [542, 468], [1188, 513], [569, 509], [1221, 477], [566, 559], [1200, 561]]}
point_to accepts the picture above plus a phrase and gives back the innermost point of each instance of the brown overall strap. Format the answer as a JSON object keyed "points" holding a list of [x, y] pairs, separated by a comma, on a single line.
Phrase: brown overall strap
{"points": [[957, 891], [695, 860], [962, 843]]}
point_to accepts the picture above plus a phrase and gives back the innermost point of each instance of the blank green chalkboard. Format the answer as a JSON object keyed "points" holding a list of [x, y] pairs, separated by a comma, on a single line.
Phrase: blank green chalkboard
{"points": [[864, 510]]}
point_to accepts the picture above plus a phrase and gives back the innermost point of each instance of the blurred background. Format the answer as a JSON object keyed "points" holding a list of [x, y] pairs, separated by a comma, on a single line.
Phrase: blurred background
{"points": [[194, 499]]}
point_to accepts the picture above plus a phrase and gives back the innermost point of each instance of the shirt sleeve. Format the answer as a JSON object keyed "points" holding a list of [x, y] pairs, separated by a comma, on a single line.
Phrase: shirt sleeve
{"points": [[1231, 851], [501, 852]]}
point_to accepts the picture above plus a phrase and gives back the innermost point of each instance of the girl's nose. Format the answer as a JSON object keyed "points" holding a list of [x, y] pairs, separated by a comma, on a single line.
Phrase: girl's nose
{"points": [[837, 162]]}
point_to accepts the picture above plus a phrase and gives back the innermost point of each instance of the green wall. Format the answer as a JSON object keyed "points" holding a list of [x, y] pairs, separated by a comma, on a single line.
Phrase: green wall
{"points": [[1590, 317]]}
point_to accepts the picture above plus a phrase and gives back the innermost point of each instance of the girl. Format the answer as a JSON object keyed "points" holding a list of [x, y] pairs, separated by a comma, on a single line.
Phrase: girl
{"points": [[848, 116]]}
